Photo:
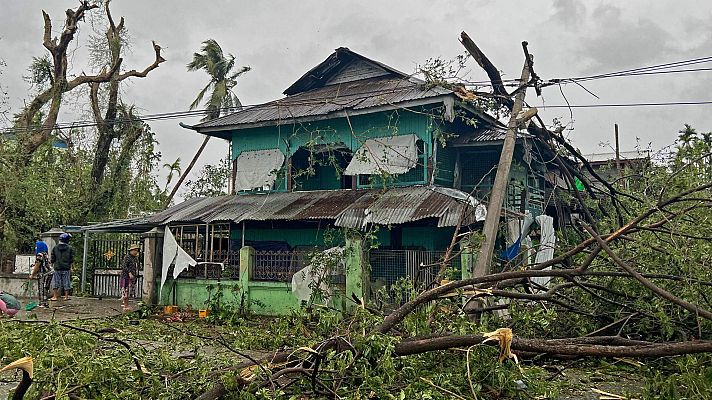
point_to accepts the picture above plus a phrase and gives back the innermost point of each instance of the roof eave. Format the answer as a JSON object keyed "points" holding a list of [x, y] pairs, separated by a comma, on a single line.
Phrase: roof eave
{"points": [[311, 118]]}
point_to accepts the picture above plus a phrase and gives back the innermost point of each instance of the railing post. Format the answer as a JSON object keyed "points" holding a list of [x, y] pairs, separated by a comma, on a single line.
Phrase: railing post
{"points": [[356, 270], [247, 263]]}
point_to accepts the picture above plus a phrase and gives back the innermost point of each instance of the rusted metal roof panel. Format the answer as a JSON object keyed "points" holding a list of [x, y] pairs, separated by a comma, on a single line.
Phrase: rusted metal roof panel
{"points": [[356, 95], [348, 208], [488, 134]]}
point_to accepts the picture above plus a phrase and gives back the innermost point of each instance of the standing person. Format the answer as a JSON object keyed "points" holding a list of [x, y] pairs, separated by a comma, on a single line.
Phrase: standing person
{"points": [[129, 271], [62, 258], [42, 271], [9, 304]]}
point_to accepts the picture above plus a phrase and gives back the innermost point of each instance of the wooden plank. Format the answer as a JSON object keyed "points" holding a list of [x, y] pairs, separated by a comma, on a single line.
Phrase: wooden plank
{"points": [[355, 71]]}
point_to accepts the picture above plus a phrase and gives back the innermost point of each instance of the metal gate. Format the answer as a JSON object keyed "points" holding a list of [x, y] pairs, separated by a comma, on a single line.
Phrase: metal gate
{"points": [[106, 284], [105, 256]]}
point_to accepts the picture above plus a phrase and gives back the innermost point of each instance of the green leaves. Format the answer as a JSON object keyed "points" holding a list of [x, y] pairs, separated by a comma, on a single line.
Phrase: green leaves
{"points": [[222, 79]]}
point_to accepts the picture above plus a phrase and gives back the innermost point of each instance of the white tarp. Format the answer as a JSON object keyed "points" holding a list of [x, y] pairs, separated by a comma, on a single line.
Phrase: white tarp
{"points": [[305, 281], [393, 155], [546, 246], [257, 169], [173, 252]]}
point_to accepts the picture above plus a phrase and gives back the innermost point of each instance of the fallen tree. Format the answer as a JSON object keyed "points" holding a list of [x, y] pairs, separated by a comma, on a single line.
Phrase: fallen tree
{"points": [[640, 261]]}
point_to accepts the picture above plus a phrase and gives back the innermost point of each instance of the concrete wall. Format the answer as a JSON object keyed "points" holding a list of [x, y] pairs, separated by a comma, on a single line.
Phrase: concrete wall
{"points": [[263, 297], [15, 285]]}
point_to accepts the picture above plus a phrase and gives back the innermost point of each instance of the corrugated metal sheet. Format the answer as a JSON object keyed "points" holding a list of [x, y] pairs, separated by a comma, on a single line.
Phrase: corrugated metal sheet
{"points": [[479, 135], [624, 155], [334, 66], [348, 208], [362, 94]]}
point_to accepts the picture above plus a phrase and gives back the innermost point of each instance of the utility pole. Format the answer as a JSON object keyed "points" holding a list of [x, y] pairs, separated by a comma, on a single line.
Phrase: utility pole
{"points": [[618, 154], [484, 257]]}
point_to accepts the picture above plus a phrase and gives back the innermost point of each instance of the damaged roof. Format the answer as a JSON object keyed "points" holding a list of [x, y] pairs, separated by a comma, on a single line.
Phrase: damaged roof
{"points": [[345, 82], [347, 208]]}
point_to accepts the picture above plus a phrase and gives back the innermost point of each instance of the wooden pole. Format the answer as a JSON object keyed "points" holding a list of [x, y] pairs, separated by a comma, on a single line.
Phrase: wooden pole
{"points": [[499, 188]]}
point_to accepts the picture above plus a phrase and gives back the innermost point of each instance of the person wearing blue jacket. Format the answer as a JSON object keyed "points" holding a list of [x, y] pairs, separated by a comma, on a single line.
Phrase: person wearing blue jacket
{"points": [[42, 271]]}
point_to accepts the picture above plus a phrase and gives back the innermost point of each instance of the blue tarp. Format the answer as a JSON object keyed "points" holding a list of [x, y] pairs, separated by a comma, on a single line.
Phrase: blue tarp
{"points": [[512, 251]]}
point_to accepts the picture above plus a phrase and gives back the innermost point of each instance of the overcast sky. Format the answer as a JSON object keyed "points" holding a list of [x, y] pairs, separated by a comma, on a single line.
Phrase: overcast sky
{"points": [[281, 40]]}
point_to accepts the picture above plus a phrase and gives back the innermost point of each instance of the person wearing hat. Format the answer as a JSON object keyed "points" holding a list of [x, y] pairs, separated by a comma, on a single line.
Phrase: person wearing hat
{"points": [[129, 271]]}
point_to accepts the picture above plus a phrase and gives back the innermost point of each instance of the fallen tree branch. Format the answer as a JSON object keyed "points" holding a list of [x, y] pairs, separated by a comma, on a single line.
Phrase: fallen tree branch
{"points": [[590, 347], [660, 292]]}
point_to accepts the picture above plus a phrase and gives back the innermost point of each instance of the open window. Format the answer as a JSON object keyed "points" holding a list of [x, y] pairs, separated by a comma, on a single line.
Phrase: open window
{"points": [[320, 168]]}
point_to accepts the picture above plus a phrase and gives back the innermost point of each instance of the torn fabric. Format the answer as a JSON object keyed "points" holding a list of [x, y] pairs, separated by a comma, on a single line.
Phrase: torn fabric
{"points": [[169, 254], [546, 246], [182, 262], [392, 155], [257, 169], [306, 280], [173, 254]]}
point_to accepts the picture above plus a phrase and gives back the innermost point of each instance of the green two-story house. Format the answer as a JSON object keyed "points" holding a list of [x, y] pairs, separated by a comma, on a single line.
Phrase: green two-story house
{"points": [[356, 155]]}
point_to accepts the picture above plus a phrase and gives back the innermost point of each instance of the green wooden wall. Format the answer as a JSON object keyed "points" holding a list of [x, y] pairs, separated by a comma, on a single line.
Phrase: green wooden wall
{"points": [[350, 132]]}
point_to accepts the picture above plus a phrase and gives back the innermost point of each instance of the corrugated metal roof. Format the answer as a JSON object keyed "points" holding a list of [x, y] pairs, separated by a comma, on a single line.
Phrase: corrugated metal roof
{"points": [[480, 135], [356, 95], [333, 65], [624, 155], [348, 208]]}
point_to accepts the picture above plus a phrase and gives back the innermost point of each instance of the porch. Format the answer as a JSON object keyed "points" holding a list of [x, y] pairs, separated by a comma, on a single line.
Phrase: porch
{"points": [[251, 246]]}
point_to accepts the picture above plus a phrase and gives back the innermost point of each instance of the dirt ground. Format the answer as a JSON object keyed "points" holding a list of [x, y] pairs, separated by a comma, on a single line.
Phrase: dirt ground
{"points": [[75, 308]]}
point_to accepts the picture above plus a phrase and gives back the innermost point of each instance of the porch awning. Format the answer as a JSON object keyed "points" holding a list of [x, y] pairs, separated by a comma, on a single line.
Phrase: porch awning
{"points": [[347, 208], [393, 155], [257, 169]]}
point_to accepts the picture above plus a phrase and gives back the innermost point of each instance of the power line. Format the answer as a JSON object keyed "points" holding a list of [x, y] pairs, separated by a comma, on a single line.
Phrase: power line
{"points": [[661, 104], [286, 103], [183, 114]]}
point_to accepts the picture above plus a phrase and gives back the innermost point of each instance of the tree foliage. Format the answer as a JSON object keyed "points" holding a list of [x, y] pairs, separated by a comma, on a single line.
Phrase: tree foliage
{"points": [[210, 181], [223, 79], [102, 172]]}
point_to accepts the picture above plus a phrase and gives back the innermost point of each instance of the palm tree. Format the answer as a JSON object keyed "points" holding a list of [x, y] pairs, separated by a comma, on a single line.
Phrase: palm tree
{"points": [[173, 168], [222, 79], [222, 100]]}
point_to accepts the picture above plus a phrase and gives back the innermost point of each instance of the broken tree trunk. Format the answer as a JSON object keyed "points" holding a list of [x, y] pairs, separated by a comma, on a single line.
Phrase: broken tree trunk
{"points": [[186, 172]]}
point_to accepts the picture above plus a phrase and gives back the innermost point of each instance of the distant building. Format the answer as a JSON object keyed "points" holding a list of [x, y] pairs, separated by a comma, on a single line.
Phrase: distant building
{"points": [[620, 170]]}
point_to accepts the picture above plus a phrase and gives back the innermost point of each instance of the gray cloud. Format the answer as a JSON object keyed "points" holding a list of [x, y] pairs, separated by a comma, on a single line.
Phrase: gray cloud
{"points": [[568, 12], [282, 39]]}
